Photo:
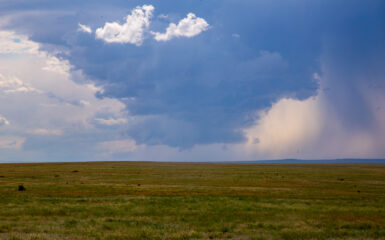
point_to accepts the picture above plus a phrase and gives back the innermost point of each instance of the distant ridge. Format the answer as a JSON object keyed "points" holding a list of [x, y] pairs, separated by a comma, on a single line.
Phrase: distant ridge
{"points": [[345, 160], [282, 161]]}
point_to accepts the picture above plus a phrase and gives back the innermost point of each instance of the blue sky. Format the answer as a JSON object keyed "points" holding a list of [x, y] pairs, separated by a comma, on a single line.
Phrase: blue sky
{"points": [[191, 80]]}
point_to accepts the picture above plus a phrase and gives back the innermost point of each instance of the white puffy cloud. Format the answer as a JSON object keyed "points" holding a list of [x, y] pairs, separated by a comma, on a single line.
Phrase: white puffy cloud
{"points": [[84, 28], [132, 31], [187, 27]]}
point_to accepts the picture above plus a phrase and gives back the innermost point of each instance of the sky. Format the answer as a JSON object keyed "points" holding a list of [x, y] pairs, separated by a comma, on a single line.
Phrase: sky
{"points": [[193, 80]]}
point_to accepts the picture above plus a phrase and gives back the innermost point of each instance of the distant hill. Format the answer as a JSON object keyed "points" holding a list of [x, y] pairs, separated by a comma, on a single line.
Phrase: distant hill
{"points": [[354, 160]]}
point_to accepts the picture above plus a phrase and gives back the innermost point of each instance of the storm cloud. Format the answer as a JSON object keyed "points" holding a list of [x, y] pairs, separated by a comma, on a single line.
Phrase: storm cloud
{"points": [[206, 78]]}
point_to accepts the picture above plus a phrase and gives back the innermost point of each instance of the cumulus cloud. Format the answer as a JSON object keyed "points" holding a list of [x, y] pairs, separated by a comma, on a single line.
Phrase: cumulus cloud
{"points": [[3, 121], [132, 31], [84, 28], [187, 27]]}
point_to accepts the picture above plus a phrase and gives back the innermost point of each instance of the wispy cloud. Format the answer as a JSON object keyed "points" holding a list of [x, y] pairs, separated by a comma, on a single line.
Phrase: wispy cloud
{"points": [[235, 35], [3, 121], [45, 132], [119, 146], [11, 142], [111, 121], [84, 28]]}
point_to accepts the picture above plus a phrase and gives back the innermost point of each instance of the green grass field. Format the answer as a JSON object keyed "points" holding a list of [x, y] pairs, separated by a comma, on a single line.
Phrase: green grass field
{"points": [[138, 200]]}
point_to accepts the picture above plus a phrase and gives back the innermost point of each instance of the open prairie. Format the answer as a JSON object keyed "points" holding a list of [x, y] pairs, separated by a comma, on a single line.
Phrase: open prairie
{"points": [[147, 200]]}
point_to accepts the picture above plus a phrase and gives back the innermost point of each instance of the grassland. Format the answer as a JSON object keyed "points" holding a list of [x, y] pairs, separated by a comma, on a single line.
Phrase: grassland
{"points": [[137, 200]]}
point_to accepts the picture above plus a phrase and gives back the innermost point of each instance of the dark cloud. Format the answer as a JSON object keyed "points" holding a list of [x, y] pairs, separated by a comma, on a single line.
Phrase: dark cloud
{"points": [[207, 89]]}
